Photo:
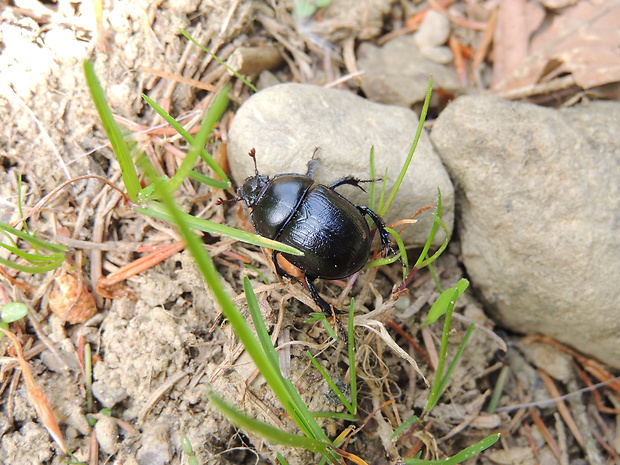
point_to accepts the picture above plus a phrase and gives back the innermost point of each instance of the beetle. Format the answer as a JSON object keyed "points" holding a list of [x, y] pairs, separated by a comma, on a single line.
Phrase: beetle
{"points": [[329, 229]]}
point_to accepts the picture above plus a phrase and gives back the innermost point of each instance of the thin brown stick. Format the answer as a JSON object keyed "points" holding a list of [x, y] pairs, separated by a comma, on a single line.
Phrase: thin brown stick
{"points": [[179, 79], [485, 43], [138, 266], [35, 393], [562, 408], [544, 403], [45, 199], [545, 433]]}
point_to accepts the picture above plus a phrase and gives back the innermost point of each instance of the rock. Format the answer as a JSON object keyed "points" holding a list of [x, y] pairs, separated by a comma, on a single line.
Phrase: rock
{"points": [[286, 123], [107, 434], [109, 394], [442, 55], [155, 448], [551, 360], [434, 30], [398, 73], [364, 19], [539, 204]]}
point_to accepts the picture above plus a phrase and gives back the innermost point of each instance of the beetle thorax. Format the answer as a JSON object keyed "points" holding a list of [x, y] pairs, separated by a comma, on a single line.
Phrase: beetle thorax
{"points": [[252, 188]]}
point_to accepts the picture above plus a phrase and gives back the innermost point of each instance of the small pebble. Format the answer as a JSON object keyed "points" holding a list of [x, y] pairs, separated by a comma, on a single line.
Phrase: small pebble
{"points": [[434, 30], [442, 54], [107, 434]]}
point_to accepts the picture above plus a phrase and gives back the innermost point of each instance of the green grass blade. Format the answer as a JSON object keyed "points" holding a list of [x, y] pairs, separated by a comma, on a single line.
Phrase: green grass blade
{"points": [[216, 58], [256, 270], [498, 389], [408, 422], [302, 416], [208, 159], [383, 189], [35, 241], [401, 249], [212, 116], [157, 210], [381, 262], [40, 262], [441, 305], [259, 324], [372, 188], [33, 269], [405, 167], [209, 181], [438, 222], [19, 202], [8, 236], [314, 316], [331, 383], [88, 371], [13, 311], [457, 358], [267, 431], [31, 257], [440, 250], [435, 393], [431, 269], [465, 454], [316, 439], [351, 355], [120, 147]]}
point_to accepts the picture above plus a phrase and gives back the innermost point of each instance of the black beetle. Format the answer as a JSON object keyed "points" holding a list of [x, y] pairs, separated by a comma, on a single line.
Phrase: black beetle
{"points": [[331, 231]]}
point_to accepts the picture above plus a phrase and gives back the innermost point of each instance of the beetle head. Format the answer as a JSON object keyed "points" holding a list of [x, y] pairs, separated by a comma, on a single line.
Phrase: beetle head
{"points": [[252, 188]]}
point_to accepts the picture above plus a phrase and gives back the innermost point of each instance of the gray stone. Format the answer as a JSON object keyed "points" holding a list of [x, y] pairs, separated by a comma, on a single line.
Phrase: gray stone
{"points": [[107, 434], [108, 395], [441, 54], [539, 197], [286, 123], [398, 73], [434, 30], [363, 19]]}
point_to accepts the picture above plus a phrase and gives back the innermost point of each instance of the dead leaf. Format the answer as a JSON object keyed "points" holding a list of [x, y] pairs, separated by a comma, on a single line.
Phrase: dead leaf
{"points": [[582, 40], [516, 21]]}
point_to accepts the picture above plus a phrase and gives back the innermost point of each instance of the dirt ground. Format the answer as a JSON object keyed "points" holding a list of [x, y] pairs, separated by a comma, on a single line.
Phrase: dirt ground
{"points": [[160, 344]]}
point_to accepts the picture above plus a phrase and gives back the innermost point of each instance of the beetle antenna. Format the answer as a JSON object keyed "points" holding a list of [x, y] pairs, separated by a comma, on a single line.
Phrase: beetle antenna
{"points": [[222, 201], [252, 153]]}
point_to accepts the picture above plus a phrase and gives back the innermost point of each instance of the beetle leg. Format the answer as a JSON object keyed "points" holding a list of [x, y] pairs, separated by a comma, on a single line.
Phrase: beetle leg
{"points": [[385, 237], [316, 297], [352, 181], [222, 200], [327, 309]]}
